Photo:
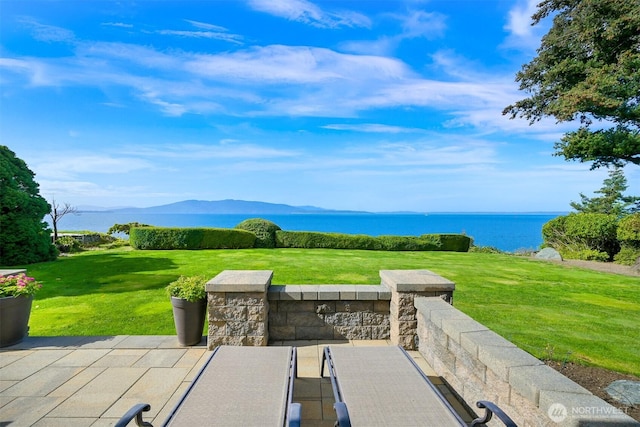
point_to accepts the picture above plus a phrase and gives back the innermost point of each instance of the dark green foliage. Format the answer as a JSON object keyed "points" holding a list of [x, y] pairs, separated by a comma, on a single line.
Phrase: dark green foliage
{"points": [[190, 238], [587, 68], [612, 200], [426, 242], [629, 238], [578, 235], [264, 230], [24, 237], [629, 230], [125, 228], [67, 244]]}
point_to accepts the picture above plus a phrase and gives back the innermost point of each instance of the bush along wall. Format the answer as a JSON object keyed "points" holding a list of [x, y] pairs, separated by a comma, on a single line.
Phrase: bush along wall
{"points": [[190, 238]]}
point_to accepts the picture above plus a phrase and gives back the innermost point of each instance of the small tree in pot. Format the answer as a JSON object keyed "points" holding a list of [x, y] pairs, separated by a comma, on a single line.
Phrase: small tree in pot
{"points": [[189, 301]]}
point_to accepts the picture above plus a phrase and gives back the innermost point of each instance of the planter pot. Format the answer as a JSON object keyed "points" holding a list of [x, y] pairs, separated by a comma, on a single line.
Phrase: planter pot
{"points": [[189, 320], [14, 319]]}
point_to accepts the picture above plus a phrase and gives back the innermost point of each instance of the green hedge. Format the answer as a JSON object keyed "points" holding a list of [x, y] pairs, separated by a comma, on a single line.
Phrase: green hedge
{"points": [[190, 238], [590, 236], [264, 230], [426, 242]]}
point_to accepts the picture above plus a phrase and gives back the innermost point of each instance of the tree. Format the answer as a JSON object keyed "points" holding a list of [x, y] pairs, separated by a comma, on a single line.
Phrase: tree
{"points": [[24, 237], [612, 201], [587, 68], [57, 212]]}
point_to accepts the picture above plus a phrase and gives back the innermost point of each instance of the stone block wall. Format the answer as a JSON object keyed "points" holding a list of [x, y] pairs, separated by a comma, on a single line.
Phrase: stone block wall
{"points": [[481, 365], [238, 308], [244, 309], [328, 312]]}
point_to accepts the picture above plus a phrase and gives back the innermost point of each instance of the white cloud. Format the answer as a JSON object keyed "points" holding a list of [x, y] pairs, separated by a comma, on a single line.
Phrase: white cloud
{"points": [[419, 23], [372, 128], [521, 34], [309, 13], [47, 33]]}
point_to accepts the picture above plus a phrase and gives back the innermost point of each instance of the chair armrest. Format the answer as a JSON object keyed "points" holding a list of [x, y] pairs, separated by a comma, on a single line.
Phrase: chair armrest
{"points": [[342, 414], [491, 408], [135, 412]]}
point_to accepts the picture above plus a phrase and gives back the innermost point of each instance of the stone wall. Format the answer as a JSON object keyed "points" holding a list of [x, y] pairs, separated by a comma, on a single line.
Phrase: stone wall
{"points": [[329, 312], [481, 365], [245, 309]]}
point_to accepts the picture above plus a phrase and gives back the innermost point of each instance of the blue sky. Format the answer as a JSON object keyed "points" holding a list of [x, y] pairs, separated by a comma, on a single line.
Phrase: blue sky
{"points": [[360, 105]]}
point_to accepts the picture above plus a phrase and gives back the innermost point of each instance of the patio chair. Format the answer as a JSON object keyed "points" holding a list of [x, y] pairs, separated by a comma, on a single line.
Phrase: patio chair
{"points": [[237, 386], [383, 386]]}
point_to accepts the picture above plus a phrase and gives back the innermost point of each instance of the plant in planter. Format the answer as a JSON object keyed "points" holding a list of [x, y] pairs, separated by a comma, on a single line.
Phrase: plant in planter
{"points": [[16, 296], [189, 302]]}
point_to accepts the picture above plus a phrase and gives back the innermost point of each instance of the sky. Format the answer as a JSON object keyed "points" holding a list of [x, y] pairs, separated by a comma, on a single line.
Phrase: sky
{"points": [[378, 106]]}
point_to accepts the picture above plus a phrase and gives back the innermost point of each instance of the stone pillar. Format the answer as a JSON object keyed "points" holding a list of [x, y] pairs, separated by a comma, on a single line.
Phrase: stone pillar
{"points": [[238, 308], [405, 285]]}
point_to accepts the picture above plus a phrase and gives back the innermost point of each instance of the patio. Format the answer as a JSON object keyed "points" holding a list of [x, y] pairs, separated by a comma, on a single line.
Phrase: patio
{"points": [[92, 381]]}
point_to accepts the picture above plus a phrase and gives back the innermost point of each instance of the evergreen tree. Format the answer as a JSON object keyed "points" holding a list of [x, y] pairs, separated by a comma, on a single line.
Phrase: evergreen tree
{"points": [[24, 237], [612, 200], [587, 68]]}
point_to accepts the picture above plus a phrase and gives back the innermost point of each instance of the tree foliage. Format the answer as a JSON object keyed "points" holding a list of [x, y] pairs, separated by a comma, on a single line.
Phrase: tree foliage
{"points": [[587, 68], [612, 200], [24, 237]]}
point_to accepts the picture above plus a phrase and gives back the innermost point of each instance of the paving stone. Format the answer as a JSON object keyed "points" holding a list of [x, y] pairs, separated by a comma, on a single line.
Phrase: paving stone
{"points": [[100, 394], [31, 364], [170, 404], [155, 387], [84, 357], [44, 382], [8, 357], [26, 411], [191, 357], [6, 384], [102, 342], [160, 358], [141, 341], [120, 358], [65, 422], [77, 382]]}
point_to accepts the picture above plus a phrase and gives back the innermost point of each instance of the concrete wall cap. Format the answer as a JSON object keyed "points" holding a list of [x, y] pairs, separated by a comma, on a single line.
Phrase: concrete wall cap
{"points": [[240, 281], [415, 281]]}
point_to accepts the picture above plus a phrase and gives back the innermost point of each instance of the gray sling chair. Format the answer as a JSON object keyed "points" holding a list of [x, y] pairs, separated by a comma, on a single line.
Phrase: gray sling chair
{"points": [[237, 386], [383, 386]]}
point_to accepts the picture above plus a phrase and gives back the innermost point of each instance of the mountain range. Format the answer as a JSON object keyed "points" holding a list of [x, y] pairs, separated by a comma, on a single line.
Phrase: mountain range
{"points": [[228, 206]]}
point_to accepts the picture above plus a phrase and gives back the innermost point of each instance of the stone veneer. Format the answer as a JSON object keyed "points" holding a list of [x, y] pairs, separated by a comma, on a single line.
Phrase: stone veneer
{"points": [[481, 365], [244, 309]]}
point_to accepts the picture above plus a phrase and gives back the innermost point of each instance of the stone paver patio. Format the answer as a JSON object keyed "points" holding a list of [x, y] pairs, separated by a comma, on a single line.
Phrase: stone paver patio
{"points": [[92, 381]]}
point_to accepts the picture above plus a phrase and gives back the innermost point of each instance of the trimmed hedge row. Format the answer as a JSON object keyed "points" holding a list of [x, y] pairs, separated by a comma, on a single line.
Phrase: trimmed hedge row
{"points": [[426, 242], [190, 238], [259, 233]]}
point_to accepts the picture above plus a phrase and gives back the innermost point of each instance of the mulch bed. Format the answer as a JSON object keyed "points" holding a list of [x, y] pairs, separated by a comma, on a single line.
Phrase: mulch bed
{"points": [[596, 380]]}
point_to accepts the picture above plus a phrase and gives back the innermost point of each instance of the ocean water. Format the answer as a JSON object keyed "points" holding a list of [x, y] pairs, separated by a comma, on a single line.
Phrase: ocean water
{"points": [[507, 232]]}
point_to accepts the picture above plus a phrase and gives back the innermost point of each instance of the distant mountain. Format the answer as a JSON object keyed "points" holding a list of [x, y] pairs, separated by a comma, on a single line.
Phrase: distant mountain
{"points": [[228, 206]]}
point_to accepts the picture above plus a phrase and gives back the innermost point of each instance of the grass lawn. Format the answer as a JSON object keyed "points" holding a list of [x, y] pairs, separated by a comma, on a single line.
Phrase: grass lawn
{"points": [[547, 309]]}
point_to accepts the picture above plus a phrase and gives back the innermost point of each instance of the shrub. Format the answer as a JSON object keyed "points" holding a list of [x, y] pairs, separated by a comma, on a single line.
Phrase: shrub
{"points": [[575, 233], [188, 288], [426, 242], [485, 250], [629, 231], [264, 230], [190, 238], [627, 255], [67, 244], [314, 240], [586, 255], [124, 228], [629, 238]]}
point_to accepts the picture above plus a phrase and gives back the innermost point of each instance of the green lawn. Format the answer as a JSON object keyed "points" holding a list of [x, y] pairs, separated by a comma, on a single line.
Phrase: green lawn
{"points": [[545, 308]]}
